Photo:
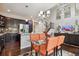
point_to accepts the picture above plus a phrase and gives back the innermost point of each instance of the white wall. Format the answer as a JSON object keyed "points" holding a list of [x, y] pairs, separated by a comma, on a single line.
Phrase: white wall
{"points": [[39, 27], [63, 21]]}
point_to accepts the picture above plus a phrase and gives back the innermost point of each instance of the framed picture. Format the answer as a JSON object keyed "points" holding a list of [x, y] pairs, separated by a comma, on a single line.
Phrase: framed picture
{"points": [[67, 12], [58, 14], [77, 9]]}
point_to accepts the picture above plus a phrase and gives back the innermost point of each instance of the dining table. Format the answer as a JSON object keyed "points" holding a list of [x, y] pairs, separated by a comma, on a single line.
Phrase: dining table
{"points": [[39, 43]]}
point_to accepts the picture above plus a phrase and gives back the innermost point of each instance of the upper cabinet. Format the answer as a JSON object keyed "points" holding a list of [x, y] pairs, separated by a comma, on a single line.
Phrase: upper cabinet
{"points": [[2, 21]]}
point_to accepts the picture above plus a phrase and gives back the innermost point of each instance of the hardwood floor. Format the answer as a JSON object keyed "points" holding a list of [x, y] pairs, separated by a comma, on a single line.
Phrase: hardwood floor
{"points": [[72, 49], [11, 49], [69, 48], [16, 52]]}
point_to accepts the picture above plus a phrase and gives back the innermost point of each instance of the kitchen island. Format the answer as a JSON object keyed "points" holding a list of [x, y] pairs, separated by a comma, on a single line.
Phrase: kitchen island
{"points": [[70, 38]]}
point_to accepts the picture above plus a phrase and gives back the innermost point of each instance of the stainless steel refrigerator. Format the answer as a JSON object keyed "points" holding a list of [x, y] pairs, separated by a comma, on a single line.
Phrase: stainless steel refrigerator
{"points": [[25, 37]]}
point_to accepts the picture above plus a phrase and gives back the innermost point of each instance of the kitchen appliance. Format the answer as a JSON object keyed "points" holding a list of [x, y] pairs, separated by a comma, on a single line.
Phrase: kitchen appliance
{"points": [[25, 36]]}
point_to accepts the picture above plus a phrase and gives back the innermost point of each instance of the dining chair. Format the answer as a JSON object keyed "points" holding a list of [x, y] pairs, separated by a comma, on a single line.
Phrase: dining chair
{"points": [[60, 42], [42, 36], [49, 48], [34, 37]]}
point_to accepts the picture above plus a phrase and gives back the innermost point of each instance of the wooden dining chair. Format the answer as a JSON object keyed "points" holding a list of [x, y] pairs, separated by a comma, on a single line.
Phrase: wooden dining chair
{"points": [[60, 42], [49, 48], [42, 36], [34, 37]]}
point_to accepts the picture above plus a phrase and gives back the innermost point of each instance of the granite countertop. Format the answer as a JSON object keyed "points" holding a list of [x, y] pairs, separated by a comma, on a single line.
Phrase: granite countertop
{"points": [[5, 33]]}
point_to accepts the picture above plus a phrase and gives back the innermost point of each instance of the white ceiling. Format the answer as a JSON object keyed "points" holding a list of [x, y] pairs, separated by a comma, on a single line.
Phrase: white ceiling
{"points": [[32, 9]]}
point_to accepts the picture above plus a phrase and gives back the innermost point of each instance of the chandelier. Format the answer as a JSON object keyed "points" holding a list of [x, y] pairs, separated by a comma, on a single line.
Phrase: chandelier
{"points": [[44, 14]]}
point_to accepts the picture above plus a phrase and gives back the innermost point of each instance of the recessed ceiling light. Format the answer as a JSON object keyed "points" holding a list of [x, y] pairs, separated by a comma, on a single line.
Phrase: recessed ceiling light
{"points": [[26, 6], [8, 10], [26, 20]]}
